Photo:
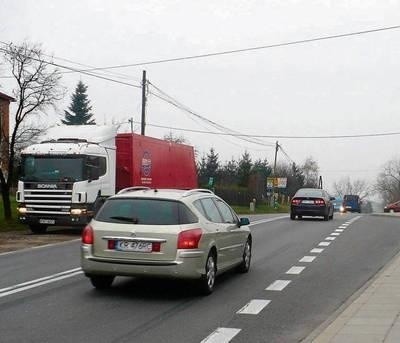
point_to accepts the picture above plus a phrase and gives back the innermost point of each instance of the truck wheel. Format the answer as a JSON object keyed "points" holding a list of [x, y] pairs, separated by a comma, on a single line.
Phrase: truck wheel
{"points": [[101, 281], [38, 228], [207, 281]]}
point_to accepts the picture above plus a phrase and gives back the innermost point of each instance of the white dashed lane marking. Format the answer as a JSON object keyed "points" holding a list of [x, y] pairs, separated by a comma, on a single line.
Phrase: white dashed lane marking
{"points": [[221, 335], [307, 259], [316, 250], [255, 306], [278, 285], [295, 270], [324, 244], [335, 234], [339, 230], [330, 238]]}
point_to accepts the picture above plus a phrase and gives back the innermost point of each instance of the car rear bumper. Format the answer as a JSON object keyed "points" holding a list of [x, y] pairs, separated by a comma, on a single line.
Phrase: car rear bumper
{"points": [[309, 211], [187, 265]]}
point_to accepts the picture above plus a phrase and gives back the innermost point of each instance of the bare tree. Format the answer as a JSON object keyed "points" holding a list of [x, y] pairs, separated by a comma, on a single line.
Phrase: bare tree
{"points": [[170, 137], [37, 88], [310, 171], [347, 186], [388, 182]]}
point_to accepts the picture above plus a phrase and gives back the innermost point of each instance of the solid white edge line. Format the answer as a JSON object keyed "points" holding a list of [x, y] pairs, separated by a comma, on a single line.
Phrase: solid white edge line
{"points": [[221, 335], [295, 270], [267, 220], [278, 285], [255, 306], [38, 247], [39, 284], [39, 280]]}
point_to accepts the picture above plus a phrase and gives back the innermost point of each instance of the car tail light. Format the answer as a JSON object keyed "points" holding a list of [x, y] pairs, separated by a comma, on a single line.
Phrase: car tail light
{"points": [[189, 239], [319, 202], [87, 235], [296, 201], [156, 247]]}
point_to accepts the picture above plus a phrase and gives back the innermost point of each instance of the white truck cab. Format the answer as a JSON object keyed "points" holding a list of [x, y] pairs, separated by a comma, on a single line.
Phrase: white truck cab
{"points": [[66, 176]]}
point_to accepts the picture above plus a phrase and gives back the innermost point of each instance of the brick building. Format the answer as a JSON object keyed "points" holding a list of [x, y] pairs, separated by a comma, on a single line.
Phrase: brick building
{"points": [[4, 129]]}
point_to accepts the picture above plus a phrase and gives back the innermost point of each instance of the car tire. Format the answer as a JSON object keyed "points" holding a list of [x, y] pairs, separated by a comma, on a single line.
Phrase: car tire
{"points": [[326, 217], [37, 229], [207, 281], [391, 210], [292, 216], [244, 266], [300, 217], [101, 281]]}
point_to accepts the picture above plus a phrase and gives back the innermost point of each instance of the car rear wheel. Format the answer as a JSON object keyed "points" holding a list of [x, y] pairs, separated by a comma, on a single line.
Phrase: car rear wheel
{"points": [[244, 266], [326, 217], [101, 281], [292, 216], [207, 281]]}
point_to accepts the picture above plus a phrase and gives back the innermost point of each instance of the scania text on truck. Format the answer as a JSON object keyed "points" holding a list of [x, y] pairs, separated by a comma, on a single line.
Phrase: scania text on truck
{"points": [[67, 176]]}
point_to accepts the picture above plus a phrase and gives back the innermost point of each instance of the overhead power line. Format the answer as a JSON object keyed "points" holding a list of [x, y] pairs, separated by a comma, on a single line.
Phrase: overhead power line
{"points": [[255, 48]]}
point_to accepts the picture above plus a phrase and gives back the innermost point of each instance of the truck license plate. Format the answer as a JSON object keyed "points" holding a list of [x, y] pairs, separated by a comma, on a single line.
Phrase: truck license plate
{"points": [[47, 221], [136, 246]]}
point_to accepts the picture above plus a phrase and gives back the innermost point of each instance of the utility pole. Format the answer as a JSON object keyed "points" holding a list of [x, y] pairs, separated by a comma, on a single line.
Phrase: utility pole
{"points": [[274, 174], [130, 120], [320, 182], [144, 85]]}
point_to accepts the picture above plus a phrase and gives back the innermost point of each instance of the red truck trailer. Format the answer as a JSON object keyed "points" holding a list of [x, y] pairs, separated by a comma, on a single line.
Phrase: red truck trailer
{"points": [[155, 163]]}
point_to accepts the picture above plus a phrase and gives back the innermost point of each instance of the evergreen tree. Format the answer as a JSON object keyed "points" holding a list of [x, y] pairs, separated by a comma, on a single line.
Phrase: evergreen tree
{"points": [[79, 111], [244, 169]]}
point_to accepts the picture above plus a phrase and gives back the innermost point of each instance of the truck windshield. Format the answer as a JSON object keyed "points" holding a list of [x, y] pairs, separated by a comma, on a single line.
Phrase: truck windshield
{"points": [[52, 168]]}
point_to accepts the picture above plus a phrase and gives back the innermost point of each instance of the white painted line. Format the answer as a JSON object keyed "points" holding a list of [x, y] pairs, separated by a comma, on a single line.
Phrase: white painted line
{"points": [[316, 251], [295, 270], [330, 238], [324, 244], [255, 306], [39, 282], [339, 230], [307, 259], [278, 285], [342, 227], [267, 220], [221, 335], [335, 234]]}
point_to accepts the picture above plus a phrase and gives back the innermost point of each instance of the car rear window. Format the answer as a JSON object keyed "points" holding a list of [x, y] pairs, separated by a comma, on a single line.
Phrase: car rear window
{"points": [[309, 193], [145, 212]]}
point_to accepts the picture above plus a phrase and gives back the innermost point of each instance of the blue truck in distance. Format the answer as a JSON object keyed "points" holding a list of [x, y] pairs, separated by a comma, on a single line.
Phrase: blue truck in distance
{"points": [[351, 203]]}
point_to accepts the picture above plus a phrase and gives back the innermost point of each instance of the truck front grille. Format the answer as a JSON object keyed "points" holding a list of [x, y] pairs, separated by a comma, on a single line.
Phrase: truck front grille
{"points": [[48, 201]]}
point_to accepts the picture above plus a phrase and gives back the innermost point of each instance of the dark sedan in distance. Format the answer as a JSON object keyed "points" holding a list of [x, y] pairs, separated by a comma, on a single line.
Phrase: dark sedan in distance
{"points": [[313, 202]]}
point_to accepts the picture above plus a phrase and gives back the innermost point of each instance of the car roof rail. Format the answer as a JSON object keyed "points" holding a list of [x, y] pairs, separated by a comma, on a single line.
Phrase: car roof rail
{"points": [[197, 190], [133, 189]]}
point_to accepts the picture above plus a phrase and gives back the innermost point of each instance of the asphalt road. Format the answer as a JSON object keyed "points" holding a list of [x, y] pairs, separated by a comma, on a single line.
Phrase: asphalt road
{"points": [[44, 297]]}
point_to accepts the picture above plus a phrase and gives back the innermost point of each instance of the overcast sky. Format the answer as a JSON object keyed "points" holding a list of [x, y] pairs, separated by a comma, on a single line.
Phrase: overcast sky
{"points": [[345, 86]]}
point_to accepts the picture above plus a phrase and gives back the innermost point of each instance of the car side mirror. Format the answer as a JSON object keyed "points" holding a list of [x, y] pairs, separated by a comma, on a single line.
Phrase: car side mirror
{"points": [[244, 221], [332, 198]]}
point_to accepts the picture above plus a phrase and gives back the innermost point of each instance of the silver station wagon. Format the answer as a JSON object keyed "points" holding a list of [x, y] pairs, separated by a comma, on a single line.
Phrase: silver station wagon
{"points": [[187, 234]]}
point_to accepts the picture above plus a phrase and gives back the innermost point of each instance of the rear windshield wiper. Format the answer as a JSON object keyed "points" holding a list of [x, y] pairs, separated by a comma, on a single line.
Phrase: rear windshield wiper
{"points": [[126, 219]]}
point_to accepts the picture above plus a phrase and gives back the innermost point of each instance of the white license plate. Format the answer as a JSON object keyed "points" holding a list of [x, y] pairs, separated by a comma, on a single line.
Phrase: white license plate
{"points": [[136, 246], [47, 221], [307, 202]]}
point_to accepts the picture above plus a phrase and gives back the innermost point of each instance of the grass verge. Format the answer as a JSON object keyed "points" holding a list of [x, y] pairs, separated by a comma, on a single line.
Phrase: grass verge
{"points": [[13, 224], [261, 209]]}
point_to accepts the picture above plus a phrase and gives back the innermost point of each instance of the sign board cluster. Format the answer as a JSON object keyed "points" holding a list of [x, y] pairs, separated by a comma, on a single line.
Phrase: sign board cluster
{"points": [[276, 182]]}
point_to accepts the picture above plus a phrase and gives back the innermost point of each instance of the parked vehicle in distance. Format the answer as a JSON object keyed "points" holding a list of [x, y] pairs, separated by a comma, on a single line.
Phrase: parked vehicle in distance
{"points": [[170, 233], [351, 203], [393, 207], [313, 202], [67, 177], [338, 204]]}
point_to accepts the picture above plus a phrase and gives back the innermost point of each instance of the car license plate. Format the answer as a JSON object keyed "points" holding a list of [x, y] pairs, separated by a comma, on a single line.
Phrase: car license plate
{"points": [[47, 221], [307, 202], [136, 246]]}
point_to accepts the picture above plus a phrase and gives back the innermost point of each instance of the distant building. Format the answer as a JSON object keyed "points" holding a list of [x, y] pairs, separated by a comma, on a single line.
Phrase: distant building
{"points": [[4, 129]]}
